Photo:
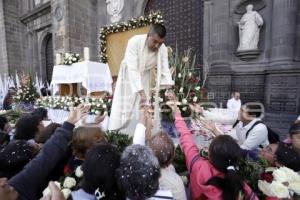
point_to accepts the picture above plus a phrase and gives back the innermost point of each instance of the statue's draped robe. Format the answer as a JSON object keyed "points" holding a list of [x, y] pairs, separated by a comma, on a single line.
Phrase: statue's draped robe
{"points": [[140, 69], [249, 31]]}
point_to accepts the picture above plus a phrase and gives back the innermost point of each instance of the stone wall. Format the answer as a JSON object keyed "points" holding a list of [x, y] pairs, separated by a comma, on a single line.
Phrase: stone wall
{"points": [[273, 77], [3, 52], [184, 23]]}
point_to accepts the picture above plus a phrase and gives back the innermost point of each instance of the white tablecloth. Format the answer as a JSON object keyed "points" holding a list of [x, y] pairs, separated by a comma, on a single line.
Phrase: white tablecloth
{"points": [[94, 76]]}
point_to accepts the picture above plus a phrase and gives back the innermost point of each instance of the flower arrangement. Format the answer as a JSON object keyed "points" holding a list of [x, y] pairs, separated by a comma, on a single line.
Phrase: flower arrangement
{"points": [[26, 93], [280, 183], [67, 183], [152, 18], [187, 88], [98, 105], [70, 58]]}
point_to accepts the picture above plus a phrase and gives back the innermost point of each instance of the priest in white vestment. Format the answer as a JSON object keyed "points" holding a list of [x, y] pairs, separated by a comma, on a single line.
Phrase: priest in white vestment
{"points": [[144, 70]]}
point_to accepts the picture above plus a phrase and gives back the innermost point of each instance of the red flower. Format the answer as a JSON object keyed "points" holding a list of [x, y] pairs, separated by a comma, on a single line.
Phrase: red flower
{"points": [[267, 176], [67, 170]]}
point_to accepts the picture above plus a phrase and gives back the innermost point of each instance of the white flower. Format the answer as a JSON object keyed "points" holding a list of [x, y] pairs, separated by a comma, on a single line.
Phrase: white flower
{"points": [[79, 172], [92, 111], [70, 58], [77, 54], [97, 112], [264, 186], [295, 187], [184, 108], [161, 99], [179, 75], [184, 101], [190, 74], [195, 99], [74, 59], [181, 90], [69, 182], [197, 88], [70, 62], [104, 106], [291, 175], [280, 176], [184, 179], [66, 192], [47, 190], [279, 190], [185, 59]]}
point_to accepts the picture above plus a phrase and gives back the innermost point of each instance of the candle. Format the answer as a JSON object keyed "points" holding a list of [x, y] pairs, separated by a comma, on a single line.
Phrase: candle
{"points": [[86, 53], [58, 58]]}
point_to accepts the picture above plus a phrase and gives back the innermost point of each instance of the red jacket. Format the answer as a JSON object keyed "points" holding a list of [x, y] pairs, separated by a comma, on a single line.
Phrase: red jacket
{"points": [[202, 170]]}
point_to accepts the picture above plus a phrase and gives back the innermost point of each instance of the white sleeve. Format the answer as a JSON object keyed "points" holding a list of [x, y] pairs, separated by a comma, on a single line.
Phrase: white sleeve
{"points": [[257, 136], [139, 134], [166, 77], [131, 59]]}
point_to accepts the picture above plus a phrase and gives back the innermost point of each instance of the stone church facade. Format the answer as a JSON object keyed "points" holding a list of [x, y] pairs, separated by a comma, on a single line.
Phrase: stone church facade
{"points": [[33, 31]]}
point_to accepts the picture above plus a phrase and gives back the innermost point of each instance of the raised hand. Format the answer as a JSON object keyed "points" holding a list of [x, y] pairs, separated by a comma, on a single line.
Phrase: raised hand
{"points": [[55, 193], [78, 113]]}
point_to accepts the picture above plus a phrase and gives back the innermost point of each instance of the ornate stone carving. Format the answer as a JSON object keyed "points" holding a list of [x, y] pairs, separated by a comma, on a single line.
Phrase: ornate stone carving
{"points": [[114, 9]]}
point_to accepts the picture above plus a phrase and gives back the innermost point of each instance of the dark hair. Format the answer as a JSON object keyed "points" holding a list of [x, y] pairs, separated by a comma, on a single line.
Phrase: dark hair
{"points": [[138, 173], [14, 156], [27, 127], [42, 113], [84, 138], [99, 170], [158, 29], [286, 155], [4, 139], [294, 129], [225, 152], [46, 133], [3, 121], [254, 109], [163, 148]]}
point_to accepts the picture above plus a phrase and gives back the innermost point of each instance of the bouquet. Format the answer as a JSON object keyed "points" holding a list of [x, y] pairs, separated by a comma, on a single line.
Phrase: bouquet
{"points": [[26, 93], [187, 84], [70, 58], [280, 183], [67, 183]]}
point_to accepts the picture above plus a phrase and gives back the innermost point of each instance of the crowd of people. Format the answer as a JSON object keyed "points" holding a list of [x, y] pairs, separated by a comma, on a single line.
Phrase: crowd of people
{"points": [[33, 154]]}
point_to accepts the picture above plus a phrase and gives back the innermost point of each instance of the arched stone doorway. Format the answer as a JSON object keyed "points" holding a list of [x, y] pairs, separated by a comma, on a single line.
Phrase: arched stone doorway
{"points": [[47, 57]]}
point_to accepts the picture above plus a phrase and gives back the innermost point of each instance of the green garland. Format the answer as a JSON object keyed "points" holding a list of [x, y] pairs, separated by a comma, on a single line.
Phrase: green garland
{"points": [[152, 18]]}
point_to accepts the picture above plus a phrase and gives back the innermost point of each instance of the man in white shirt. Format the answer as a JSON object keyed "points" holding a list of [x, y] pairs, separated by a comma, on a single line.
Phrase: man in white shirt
{"points": [[249, 132], [234, 103]]}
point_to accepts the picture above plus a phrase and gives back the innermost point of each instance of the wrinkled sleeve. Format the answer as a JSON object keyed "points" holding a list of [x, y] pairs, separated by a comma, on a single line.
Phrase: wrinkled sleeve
{"points": [[131, 59]]}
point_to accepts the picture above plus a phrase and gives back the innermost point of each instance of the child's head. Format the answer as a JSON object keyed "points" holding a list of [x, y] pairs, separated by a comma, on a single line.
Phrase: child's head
{"points": [[224, 155], [46, 133], [99, 170], [295, 135], [84, 138], [281, 154], [27, 127], [163, 148]]}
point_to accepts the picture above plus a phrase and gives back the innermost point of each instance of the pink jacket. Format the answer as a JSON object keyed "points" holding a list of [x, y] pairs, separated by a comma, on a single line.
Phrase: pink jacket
{"points": [[202, 170]]}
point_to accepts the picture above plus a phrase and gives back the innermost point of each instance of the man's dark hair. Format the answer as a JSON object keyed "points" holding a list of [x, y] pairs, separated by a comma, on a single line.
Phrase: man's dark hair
{"points": [[286, 155], [27, 127], [158, 29], [254, 109], [99, 169], [42, 113]]}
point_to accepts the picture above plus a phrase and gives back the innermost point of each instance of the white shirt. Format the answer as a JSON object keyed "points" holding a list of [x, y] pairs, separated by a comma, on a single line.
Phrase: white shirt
{"points": [[256, 137], [234, 105], [170, 180]]}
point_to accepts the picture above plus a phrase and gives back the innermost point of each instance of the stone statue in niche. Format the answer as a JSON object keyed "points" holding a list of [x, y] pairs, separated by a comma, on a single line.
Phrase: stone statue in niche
{"points": [[114, 8], [249, 28]]}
